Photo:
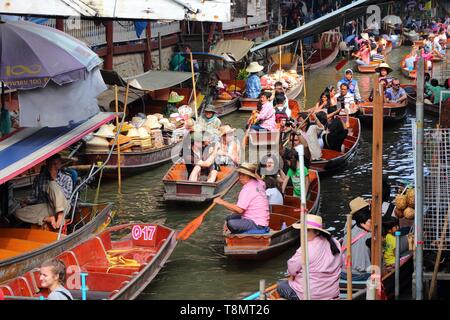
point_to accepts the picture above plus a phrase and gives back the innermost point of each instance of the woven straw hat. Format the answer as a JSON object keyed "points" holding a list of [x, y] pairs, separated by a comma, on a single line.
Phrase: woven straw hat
{"points": [[312, 222], [226, 129], [385, 66], [133, 133], [175, 97], [357, 204], [105, 131], [254, 67], [210, 108], [248, 169], [143, 133], [97, 142]]}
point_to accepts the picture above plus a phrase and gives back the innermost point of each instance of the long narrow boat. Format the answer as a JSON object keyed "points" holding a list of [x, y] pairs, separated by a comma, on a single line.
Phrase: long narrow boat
{"points": [[248, 104], [431, 109], [145, 249], [225, 107], [368, 68], [335, 160], [22, 248], [178, 188], [391, 111], [249, 246], [130, 162], [326, 50]]}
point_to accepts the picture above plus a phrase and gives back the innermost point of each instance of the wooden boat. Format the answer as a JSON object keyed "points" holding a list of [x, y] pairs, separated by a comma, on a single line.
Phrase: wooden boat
{"points": [[264, 138], [178, 188], [225, 107], [261, 246], [389, 47], [23, 249], [145, 246], [391, 111], [248, 104], [368, 68], [431, 109], [131, 162], [334, 160], [326, 50]]}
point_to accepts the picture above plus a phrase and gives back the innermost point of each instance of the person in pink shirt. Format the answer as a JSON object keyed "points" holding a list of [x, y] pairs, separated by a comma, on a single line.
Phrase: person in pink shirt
{"points": [[266, 117], [363, 54], [251, 212], [325, 263]]}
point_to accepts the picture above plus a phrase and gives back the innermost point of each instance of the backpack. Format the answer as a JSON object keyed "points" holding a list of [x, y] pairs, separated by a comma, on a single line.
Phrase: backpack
{"points": [[280, 114]]}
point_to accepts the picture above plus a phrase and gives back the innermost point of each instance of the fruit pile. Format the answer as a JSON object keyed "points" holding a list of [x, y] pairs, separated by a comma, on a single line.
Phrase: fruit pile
{"points": [[405, 204]]}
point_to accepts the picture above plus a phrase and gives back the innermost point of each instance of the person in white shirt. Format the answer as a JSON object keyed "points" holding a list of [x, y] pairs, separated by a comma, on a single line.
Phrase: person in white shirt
{"points": [[273, 193], [346, 99]]}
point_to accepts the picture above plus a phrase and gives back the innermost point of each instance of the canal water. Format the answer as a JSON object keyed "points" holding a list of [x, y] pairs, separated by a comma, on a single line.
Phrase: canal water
{"points": [[198, 268]]}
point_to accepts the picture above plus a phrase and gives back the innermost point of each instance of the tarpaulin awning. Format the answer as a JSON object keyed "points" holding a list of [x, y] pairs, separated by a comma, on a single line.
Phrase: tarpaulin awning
{"points": [[227, 50], [195, 10], [148, 81], [327, 22], [27, 147]]}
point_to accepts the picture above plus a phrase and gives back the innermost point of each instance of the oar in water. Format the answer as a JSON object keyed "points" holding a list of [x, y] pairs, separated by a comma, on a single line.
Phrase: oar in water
{"points": [[195, 224], [341, 64]]}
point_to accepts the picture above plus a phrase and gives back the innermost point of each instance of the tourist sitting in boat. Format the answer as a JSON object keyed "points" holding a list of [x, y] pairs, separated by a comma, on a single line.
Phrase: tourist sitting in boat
{"points": [[53, 277], [363, 55], [322, 104], [313, 133], [279, 89], [265, 120], [272, 191], [209, 122], [346, 100], [332, 109], [352, 84], [361, 240], [251, 212], [171, 107], [325, 262], [253, 84], [270, 165], [279, 103], [438, 51], [49, 197], [433, 92], [294, 172], [334, 138], [396, 94], [204, 159], [443, 37], [229, 152]]}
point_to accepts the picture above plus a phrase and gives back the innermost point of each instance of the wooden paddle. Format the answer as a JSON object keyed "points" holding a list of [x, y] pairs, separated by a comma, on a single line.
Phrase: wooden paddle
{"points": [[192, 226]]}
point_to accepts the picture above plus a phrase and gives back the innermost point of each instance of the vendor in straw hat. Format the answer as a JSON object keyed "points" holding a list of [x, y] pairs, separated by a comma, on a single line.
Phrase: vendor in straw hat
{"points": [[361, 239], [229, 151], [172, 102], [251, 212], [325, 262], [253, 85]]}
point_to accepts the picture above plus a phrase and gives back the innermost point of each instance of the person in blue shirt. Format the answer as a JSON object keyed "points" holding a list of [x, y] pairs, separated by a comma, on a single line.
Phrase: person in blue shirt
{"points": [[395, 94], [253, 85], [351, 83]]}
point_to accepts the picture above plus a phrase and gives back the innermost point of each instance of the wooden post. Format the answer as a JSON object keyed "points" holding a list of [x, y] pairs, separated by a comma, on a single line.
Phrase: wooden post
{"points": [[377, 176], [280, 28], [60, 24], [108, 65], [193, 85], [303, 76], [348, 262], [160, 50], [262, 289], [148, 50], [119, 176]]}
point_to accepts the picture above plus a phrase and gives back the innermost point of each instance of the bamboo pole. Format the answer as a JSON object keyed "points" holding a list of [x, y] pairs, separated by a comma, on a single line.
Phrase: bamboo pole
{"points": [[348, 263], [303, 230], [280, 27], [193, 85], [377, 175], [119, 175], [303, 76]]}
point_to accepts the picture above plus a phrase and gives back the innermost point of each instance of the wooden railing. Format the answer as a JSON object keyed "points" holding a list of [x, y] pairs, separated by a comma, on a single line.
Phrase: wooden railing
{"points": [[94, 34]]}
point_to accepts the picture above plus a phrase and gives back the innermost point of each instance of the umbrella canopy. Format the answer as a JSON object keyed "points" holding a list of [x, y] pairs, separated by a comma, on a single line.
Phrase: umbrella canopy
{"points": [[392, 19], [32, 55]]}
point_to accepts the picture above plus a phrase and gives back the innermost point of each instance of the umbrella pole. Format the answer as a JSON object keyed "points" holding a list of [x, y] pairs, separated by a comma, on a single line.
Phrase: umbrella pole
{"points": [[303, 75], [119, 176], [193, 86]]}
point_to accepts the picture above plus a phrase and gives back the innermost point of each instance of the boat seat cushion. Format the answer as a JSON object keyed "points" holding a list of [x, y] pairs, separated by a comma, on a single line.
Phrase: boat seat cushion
{"points": [[257, 231]]}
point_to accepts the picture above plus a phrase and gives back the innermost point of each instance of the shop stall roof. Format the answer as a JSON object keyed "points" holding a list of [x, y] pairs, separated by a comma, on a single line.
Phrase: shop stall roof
{"points": [[228, 50]]}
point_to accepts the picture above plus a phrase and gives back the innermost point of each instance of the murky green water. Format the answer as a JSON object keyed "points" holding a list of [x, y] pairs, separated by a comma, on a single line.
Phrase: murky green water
{"points": [[197, 268]]}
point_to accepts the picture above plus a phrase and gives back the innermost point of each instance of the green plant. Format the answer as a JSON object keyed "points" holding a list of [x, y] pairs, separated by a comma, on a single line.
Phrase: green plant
{"points": [[242, 75]]}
